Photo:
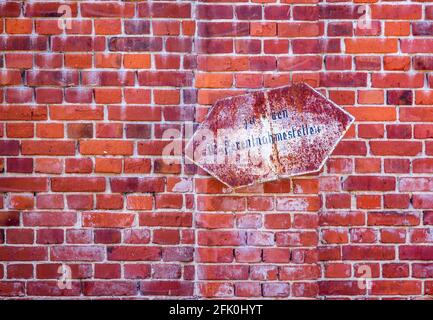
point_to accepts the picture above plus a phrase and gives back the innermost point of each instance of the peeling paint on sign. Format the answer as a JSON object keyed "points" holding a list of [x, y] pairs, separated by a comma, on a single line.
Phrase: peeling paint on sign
{"points": [[266, 135]]}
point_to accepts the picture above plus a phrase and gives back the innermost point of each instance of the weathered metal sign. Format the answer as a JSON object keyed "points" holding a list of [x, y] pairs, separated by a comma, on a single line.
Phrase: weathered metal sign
{"points": [[266, 135]]}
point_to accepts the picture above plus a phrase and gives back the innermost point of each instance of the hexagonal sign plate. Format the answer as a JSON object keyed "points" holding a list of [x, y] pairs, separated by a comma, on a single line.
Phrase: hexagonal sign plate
{"points": [[266, 135]]}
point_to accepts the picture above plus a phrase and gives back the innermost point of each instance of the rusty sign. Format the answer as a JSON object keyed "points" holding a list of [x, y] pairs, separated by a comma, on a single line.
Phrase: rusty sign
{"points": [[266, 135]]}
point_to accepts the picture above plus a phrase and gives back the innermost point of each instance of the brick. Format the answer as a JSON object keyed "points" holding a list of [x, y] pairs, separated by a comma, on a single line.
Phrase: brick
{"points": [[342, 165], [422, 165], [367, 63], [78, 61], [296, 63], [214, 11], [164, 78], [78, 184], [49, 218], [248, 289], [416, 46], [221, 255], [136, 26], [165, 236], [19, 26], [167, 288], [76, 112], [335, 11], [338, 201], [78, 95], [80, 201], [124, 10], [400, 97], [397, 165], [392, 235], [393, 219], [223, 272], [168, 219], [305, 46], [388, 287], [418, 114], [370, 183], [299, 29], [102, 147], [12, 288], [137, 271], [54, 60], [45, 147], [248, 12], [9, 218], [107, 220], [296, 239], [49, 130], [134, 44], [415, 184], [10, 9], [413, 252], [20, 271], [396, 63], [165, 10], [363, 235], [338, 63], [422, 131], [137, 184], [422, 270], [422, 201], [299, 272], [16, 253], [9, 147], [23, 43], [183, 254], [136, 253], [47, 27], [80, 27], [136, 236], [397, 80], [423, 97], [50, 236], [422, 63], [351, 148], [400, 12], [19, 60], [407, 148], [356, 46], [397, 28], [221, 238], [331, 236], [276, 289], [396, 201], [340, 29], [343, 79], [48, 201], [19, 236], [396, 131], [21, 184], [21, 202], [76, 253], [368, 253], [47, 9], [109, 288], [305, 13]]}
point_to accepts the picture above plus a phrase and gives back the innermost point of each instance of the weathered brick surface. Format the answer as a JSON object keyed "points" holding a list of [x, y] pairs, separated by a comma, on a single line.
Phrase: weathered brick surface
{"points": [[83, 119]]}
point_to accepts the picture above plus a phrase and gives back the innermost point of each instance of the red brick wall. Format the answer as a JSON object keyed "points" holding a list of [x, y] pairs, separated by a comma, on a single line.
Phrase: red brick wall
{"points": [[84, 184]]}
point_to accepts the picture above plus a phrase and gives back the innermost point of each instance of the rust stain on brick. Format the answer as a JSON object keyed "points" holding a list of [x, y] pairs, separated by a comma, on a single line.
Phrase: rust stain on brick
{"points": [[266, 135]]}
